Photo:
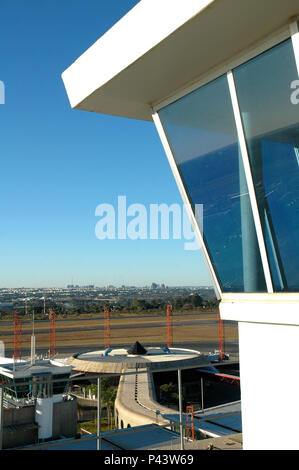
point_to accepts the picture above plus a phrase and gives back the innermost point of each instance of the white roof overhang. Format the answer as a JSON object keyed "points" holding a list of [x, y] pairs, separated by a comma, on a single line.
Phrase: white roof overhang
{"points": [[161, 46]]}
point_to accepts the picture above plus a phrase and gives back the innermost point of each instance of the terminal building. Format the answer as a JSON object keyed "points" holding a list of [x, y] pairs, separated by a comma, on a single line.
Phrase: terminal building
{"points": [[219, 79]]}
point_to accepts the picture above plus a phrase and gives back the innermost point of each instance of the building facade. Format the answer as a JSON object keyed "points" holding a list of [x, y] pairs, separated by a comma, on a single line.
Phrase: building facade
{"points": [[35, 402]]}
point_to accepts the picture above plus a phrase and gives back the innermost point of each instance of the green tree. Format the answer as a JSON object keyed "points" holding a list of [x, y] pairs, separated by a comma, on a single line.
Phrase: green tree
{"points": [[178, 303], [169, 392], [108, 399], [196, 300], [108, 396]]}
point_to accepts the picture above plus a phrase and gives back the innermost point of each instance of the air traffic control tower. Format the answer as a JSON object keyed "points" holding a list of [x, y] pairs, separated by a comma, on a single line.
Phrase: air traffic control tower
{"points": [[219, 78]]}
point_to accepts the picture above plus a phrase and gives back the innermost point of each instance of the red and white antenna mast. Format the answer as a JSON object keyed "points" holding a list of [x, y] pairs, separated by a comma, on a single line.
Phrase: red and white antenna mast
{"points": [[169, 326], [190, 422], [17, 336], [107, 333], [52, 317]]}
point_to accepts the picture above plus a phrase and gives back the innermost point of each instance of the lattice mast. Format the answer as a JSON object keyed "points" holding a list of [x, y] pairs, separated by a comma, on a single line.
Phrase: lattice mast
{"points": [[52, 332], [107, 333], [17, 336], [221, 338], [190, 422], [169, 326]]}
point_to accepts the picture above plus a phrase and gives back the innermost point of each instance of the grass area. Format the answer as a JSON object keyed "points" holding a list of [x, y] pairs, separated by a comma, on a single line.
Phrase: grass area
{"points": [[145, 330], [114, 314], [91, 426]]}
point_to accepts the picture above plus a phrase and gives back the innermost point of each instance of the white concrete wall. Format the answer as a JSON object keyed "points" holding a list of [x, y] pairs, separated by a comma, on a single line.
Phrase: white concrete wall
{"points": [[269, 386], [57, 398], [44, 417]]}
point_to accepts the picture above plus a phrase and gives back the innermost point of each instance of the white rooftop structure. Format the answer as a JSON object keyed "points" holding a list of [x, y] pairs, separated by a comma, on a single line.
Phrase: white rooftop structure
{"points": [[39, 384], [17, 369]]}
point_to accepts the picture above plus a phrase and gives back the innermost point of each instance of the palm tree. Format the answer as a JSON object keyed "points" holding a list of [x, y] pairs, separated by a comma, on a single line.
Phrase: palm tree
{"points": [[109, 396]]}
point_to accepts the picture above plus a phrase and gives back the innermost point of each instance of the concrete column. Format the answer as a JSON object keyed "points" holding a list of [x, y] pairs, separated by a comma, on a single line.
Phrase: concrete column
{"points": [[99, 409], [1, 417], [201, 389], [44, 417], [180, 408]]}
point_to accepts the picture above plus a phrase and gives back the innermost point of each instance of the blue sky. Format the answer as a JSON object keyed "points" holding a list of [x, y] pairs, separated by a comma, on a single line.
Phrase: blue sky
{"points": [[59, 164]]}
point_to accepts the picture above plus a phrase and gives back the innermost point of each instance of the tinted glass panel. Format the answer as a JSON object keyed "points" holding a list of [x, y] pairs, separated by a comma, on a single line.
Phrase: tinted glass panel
{"points": [[271, 124], [201, 131]]}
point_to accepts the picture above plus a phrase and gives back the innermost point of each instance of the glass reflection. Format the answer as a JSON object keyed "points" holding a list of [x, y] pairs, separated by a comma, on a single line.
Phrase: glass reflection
{"points": [[271, 124], [202, 134]]}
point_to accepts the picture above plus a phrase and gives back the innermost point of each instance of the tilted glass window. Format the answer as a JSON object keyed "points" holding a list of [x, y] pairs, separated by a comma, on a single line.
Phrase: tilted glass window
{"points": [[202, 134], [271, 125]]}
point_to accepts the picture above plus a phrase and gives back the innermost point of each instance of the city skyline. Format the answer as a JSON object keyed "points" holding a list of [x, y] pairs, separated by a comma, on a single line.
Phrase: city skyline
{"points": [[109, 286], [59, 164]]}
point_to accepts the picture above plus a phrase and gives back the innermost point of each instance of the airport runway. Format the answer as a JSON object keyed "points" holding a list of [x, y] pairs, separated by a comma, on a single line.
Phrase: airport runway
{"points": [[122, 326], [231, 347]]}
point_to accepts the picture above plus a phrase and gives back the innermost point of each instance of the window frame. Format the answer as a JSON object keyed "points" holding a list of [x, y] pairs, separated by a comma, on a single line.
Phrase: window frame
{"points": [[289, 31]]}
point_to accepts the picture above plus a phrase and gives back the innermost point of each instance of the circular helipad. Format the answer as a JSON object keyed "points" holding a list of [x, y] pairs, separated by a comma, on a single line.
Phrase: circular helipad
{"points": [[137, 356]]}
